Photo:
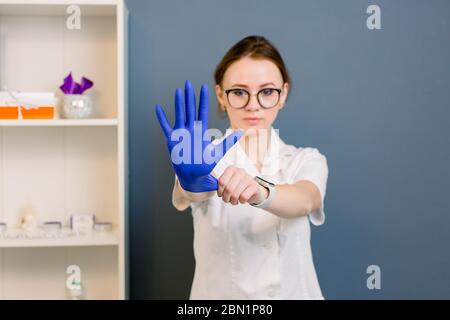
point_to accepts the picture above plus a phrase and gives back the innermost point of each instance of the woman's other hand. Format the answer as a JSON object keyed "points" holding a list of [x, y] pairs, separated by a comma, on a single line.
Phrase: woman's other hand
{"points": [[237, 186]]}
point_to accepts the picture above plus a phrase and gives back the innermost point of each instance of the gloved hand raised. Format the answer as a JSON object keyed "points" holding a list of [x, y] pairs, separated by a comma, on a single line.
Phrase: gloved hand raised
{"points": [[192, 158]]}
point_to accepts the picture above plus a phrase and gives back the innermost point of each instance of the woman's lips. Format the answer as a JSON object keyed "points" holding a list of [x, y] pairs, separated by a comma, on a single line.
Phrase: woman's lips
{"points": [[252, 120]]}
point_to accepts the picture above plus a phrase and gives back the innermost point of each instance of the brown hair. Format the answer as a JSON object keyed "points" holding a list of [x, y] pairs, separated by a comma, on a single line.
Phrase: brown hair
{"points": [[255, 47]]}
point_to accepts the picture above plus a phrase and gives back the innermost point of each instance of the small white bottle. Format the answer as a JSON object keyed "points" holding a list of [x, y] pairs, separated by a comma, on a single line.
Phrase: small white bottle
{"points": [[29, 219], [76, 291]]}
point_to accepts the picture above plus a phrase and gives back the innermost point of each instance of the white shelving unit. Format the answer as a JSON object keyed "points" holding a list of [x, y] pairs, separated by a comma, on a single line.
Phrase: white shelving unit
{"points": [[64, 166], [66, 238], [59, 123]]}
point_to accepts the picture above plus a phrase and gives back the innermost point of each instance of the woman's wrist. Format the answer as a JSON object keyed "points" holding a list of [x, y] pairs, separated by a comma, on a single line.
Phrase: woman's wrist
{"points": [[194, 196], [263, 194]]}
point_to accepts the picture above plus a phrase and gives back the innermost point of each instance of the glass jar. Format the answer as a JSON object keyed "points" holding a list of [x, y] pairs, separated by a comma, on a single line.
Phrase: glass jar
{"points": [[77, 106]]}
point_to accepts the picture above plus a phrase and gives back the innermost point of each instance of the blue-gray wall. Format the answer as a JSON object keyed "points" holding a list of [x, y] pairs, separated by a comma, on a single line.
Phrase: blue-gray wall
{"points": [[376, 103]]}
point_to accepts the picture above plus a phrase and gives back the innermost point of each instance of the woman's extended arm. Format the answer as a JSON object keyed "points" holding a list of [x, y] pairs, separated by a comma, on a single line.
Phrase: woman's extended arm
{"points": [[295, 200], [291, 200]]}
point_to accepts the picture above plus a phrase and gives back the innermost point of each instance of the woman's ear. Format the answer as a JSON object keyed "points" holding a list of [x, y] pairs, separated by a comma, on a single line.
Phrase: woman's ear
{"points": [[220, 97], [284, 94]]}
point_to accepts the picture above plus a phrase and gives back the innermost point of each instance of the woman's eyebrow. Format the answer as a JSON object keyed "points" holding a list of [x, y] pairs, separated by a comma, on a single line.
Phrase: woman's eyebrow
{"points": [[266, 84], [245, 86], [239, 85]]}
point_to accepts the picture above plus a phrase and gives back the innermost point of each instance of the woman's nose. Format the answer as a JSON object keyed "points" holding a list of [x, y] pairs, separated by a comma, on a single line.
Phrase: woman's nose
{"points": [[253, 104]]}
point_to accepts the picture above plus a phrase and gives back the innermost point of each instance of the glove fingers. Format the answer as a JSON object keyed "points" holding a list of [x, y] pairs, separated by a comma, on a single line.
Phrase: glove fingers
{"points": [[161, 115], [203, 107], [189, 97], [180, 112]]}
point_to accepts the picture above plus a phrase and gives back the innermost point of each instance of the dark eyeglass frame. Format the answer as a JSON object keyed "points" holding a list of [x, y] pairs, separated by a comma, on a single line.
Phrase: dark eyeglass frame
{"points": [[227, 92]]}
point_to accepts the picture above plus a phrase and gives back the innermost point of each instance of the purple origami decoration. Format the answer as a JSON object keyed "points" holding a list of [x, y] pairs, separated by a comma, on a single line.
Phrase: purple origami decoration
{"points": [[71, 87]]}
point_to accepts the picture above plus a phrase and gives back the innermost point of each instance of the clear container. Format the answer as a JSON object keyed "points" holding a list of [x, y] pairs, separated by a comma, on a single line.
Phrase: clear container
{"points": [[76, 291], [3, 227], [77, 106]]}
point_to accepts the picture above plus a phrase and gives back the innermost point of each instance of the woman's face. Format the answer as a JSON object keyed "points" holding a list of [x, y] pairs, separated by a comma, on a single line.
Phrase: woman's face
{"points": [[252, 75]]}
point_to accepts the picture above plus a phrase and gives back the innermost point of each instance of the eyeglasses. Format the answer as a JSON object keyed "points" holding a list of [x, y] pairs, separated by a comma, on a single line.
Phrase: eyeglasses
{"points": [[239, 98]]}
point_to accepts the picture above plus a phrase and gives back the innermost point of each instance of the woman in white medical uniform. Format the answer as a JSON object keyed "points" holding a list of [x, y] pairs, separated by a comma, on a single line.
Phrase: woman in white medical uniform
{"points": [[252, 234]]}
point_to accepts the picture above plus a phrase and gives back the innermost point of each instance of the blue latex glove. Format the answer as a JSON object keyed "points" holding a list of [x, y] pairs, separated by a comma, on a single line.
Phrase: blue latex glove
{"points": [[195, 174]]}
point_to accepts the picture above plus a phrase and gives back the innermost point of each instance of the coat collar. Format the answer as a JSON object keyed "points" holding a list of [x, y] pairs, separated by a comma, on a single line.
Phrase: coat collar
{"points": [[271, 164]]}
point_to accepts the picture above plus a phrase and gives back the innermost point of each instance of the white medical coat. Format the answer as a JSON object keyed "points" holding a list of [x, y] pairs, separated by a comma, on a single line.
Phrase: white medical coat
{"points": [[242, 252]]}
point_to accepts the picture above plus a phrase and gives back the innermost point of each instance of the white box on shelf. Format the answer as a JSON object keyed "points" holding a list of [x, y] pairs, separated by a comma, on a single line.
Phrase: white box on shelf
{"points": [[82, 222]]}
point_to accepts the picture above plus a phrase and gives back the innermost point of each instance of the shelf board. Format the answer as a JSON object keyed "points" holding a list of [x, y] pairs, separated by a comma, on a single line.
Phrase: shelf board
{"points": [[17, 238], [59, 123], [57, 7]]}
